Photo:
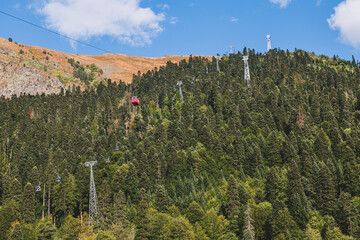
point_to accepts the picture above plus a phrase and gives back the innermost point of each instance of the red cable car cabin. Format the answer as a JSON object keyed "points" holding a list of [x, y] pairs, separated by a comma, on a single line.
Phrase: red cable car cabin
{"points": [[135, 101]]}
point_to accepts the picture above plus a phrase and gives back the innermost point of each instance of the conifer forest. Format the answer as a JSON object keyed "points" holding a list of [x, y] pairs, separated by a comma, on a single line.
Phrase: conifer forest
{"points": [[275, 158]]}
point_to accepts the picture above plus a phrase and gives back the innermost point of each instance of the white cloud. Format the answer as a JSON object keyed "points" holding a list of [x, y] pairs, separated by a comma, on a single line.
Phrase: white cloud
{"points": [[282, 3], [164, 6], [234, 19], [347, 19], [174, 20], [122, 19]]}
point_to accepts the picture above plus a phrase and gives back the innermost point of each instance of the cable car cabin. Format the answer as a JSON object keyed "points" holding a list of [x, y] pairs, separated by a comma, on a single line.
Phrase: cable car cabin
{"points": [[135, 101]]}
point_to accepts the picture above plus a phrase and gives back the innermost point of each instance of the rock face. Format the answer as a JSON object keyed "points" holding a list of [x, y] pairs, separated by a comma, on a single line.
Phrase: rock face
{"points": [[19, 80]]}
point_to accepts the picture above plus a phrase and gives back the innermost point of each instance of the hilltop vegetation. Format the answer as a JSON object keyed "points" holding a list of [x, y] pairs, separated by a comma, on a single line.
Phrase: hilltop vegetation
{"points": [[36, 70], [278, 159]]}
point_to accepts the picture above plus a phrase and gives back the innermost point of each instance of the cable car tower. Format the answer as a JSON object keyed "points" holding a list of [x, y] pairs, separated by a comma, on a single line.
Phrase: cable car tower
{"points": [[246, 70], [217, 64], [179, 83], [268, 43], [93, 210]]}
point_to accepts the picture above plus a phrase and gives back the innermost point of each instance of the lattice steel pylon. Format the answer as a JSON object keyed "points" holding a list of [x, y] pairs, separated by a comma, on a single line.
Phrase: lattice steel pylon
{"points": [[217, 63], [246, 70], [268, 42], [179, 83], [93, 209]]}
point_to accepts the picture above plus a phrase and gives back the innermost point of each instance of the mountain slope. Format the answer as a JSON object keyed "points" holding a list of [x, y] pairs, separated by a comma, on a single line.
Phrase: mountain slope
{"points": [[32, 69], [278, 158]]}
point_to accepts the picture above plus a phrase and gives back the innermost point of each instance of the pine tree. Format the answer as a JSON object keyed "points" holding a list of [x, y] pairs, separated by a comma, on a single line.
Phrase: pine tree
{"points": [[161, 198], [271, 186], [348, 216], [45, 229], [143, 226], [322, 145], [9, 212], [16, 191], [233, 201], [65, 196], [351, 171], [6, 185], [273, 149], [131, 183], [325, 188], [28, 204], [119, 209], [104, 204], [195, 213]]}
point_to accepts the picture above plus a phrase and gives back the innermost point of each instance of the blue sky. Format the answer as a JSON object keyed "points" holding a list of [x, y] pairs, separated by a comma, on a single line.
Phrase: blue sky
{"points": [[157, 28]]}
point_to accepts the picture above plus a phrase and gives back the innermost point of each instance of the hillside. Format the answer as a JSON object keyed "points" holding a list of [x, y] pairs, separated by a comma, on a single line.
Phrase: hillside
{"points": [[31, 69], [278, 158]]}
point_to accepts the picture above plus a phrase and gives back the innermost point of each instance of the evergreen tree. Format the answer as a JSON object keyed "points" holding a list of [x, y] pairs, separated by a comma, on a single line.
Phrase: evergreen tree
{"points": [[28, 204], [322, 145], [348, 216], [143, 226], [351, 171], [9, 213], [15, 231], [233, 201], [273, 149], [45, 229], [119, 209], [104, 204], [195, 213], [271, 186], [161, 198], [325, 188]]}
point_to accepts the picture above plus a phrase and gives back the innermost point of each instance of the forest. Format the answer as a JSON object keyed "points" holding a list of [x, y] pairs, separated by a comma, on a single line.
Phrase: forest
{"points": [[275, 158]]}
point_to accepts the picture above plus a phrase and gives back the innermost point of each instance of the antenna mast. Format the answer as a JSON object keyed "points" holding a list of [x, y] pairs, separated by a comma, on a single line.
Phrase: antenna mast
{"points": [[268, 43], [246, 70], [179, 83], [93, 210]]}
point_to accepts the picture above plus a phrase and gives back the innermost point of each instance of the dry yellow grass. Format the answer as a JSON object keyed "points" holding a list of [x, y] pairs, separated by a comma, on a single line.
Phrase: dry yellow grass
{"points": [[115, 66]]}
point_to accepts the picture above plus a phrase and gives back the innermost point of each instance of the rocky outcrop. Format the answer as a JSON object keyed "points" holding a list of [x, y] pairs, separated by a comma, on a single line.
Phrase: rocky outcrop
{"points": [[18, 80]]}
